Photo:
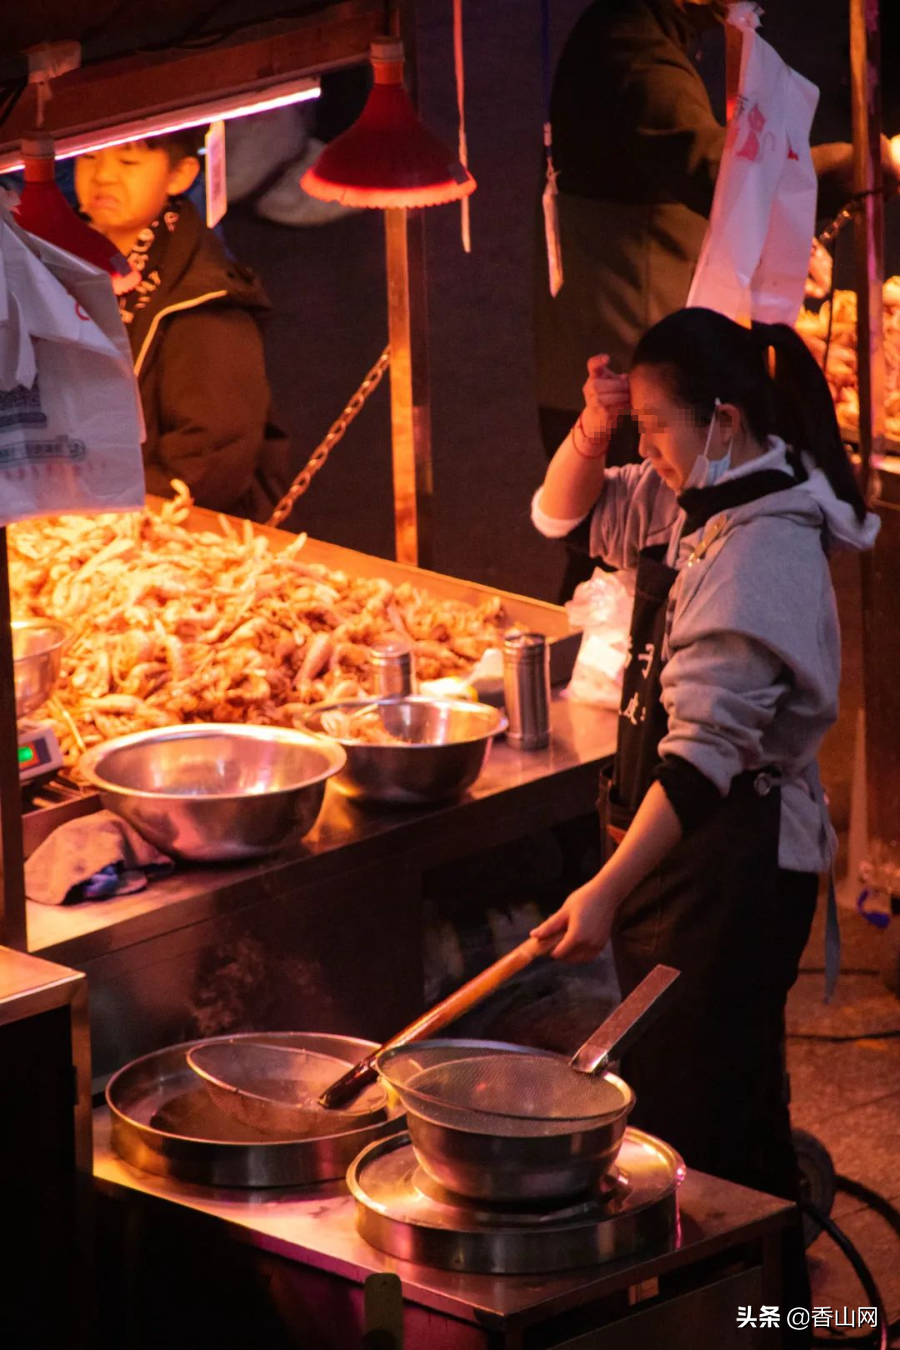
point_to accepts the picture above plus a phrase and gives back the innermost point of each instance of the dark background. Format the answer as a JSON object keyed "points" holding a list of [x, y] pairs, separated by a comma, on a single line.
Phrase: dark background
{"points": [[327, 285]]}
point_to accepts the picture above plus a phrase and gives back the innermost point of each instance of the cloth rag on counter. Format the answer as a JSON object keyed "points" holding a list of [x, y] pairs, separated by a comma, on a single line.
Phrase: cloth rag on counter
{"points": [[91, 858]]}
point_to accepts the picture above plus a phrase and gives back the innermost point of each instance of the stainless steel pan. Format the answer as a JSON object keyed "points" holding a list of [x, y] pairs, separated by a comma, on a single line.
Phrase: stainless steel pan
{"points": [[503, 1126]]}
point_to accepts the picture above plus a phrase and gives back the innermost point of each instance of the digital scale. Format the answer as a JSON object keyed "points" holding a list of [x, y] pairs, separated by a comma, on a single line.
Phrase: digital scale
{"points": [[39, 754]]}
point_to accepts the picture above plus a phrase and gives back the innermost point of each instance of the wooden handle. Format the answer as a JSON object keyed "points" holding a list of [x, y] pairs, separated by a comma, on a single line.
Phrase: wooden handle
{"points": [[459, 1002]]}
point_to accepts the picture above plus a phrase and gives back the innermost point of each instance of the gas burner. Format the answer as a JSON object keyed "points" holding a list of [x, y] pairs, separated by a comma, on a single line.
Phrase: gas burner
{"points": [[610, 1190], [401, 1211]]}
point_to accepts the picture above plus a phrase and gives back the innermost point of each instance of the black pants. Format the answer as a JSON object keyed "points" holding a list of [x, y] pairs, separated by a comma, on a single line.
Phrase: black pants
{"points": [[555, 425], [709, 1075]]}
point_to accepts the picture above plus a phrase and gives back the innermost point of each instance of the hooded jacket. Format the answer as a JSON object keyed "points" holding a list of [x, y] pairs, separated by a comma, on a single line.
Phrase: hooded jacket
{"points": [[752, 660], [198, 358]]}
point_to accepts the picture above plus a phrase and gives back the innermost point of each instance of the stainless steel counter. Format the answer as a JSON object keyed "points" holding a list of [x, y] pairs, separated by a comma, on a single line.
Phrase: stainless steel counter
{"points": [[45, 1154], [324, 936], [728, 1237]]}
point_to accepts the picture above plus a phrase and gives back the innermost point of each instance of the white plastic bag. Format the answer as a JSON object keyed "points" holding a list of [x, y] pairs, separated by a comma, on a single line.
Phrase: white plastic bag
{"points": [[70, 419], [601, 607], [754, 260]]}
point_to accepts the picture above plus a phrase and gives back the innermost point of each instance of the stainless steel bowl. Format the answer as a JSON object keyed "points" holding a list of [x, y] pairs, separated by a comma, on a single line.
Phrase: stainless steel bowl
{"points": [[504, 1159], [37, 650], [213, 792], [446, 744]]}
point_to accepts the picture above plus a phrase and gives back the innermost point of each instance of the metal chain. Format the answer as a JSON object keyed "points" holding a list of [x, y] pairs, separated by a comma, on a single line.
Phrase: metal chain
{"points": [[833, 230], [335, 432], [847, 212]]}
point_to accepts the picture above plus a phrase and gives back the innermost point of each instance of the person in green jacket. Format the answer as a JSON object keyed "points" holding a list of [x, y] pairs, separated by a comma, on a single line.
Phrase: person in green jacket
{"points": [[193, 326]]}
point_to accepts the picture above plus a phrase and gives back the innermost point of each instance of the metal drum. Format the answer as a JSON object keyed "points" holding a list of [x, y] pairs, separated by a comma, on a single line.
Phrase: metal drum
{"points": [[165, 1121]]}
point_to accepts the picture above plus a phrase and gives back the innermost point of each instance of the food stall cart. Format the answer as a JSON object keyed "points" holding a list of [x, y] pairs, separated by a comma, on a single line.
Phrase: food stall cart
{"points": [[212, 918], [297, 1270], [330, 933]]}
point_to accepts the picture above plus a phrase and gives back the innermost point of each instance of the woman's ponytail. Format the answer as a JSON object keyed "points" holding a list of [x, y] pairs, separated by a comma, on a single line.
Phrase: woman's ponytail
{"points": [[804, 413]]}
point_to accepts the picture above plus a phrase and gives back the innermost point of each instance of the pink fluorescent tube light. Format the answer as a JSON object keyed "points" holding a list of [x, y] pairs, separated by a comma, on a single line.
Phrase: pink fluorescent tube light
{"points": [[196, 115]]}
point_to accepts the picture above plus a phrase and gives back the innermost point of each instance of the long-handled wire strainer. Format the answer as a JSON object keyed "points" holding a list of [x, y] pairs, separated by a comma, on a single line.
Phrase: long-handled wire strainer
{"points": [[514, 1092]]}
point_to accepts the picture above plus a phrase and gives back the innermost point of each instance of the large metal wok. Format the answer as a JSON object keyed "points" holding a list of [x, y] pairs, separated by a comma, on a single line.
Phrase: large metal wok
{"points": [[505, 1124]]}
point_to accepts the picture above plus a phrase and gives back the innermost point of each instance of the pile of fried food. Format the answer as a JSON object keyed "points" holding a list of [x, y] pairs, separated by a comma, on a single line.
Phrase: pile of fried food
{"points": [[172, 625], [840, 369], [363, 725]]}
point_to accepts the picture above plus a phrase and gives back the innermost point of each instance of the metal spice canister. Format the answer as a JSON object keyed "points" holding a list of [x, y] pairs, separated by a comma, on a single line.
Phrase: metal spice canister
{"points": [[526, 686], [392, 662]]}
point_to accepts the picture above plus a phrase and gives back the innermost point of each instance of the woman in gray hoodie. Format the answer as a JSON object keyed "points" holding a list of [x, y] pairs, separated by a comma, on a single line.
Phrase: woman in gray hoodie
{"points": [[730, 685]]}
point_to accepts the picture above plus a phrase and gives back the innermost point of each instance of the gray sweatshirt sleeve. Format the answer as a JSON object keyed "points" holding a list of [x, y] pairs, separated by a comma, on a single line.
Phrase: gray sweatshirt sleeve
{"points": [[634, 510], [720, 693], [754, 630]]}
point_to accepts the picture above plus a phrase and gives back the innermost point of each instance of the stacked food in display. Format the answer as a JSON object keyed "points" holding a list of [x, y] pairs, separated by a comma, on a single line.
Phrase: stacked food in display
{"points": [[176, 625], [831, 336]]}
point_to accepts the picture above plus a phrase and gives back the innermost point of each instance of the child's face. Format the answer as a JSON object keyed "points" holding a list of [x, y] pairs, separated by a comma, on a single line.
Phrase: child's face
{"points": [[125, 187]]}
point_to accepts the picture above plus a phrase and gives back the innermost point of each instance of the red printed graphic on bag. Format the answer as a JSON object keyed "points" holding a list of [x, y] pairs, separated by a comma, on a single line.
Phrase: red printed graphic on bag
{"points": [[752, 148]]}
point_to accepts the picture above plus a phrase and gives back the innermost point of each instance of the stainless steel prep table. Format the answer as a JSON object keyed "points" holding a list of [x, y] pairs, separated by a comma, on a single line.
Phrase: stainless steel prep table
{"points": [[295, 1269], [327, 935]]}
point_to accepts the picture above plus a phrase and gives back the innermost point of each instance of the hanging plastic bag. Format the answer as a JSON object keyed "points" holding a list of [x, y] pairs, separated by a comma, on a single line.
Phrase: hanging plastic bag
{"points": [[601, 607], [70, 418], [754, 260]]}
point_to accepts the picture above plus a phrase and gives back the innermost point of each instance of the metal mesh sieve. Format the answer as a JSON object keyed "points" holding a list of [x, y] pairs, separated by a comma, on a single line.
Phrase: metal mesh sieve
{"points": [[501, 1092]]}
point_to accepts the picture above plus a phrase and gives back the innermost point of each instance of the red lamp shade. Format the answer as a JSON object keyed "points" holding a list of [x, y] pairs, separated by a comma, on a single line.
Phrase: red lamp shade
{"points": [[388, 158], [44, 211]]}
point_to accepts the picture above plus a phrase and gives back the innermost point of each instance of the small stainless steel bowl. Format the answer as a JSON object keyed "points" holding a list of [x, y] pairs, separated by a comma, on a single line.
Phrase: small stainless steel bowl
{"points": [[37, 650], [446, 744], [215, 792]]}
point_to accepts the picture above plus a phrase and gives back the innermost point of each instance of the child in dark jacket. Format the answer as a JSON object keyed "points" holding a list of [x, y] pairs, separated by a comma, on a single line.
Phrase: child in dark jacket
{"points": [[193, 327]]}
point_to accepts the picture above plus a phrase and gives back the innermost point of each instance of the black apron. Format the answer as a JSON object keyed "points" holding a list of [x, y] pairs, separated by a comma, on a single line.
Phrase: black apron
{"points": [[709, 1075]]}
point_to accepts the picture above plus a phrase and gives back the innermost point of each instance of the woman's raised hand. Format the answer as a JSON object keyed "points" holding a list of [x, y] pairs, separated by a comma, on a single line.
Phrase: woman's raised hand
{"points": [[606, 398]]}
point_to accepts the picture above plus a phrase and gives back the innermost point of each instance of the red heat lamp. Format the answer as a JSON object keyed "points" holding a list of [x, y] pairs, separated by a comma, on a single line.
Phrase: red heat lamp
{"points": [[44, 211], [387, 158]]}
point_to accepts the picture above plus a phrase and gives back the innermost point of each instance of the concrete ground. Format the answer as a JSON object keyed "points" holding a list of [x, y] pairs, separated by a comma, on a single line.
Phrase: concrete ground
{"points": [[844, 1063]]}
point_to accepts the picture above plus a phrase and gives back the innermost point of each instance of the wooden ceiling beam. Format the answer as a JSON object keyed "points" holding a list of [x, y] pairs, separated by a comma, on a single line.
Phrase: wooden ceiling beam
{"points": [[99, 96]]}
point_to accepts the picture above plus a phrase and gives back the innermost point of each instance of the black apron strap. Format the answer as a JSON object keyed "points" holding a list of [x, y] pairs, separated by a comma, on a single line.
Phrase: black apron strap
{"points": [[642, 719]]}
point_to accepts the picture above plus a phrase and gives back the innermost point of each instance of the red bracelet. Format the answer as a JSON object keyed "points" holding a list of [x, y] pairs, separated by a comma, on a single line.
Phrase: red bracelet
{"points": [[591, 440]]}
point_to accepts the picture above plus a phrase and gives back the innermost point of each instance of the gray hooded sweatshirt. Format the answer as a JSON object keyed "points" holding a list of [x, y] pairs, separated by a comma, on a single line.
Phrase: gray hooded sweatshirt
{"points": [[752, 658]]}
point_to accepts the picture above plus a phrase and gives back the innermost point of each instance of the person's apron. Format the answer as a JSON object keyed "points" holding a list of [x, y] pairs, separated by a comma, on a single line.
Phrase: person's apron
{"points": [[709, 1075]]}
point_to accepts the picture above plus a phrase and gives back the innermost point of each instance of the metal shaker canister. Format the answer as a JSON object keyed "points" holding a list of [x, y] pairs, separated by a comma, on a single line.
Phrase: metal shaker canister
{"points": [[526, 687], [392, 662]]}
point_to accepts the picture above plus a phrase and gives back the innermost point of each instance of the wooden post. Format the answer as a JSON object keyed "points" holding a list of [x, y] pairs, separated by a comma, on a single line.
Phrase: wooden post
{"points": [[410, 408], [408, 337], [865, 71], [12, 873], [880, 568]]}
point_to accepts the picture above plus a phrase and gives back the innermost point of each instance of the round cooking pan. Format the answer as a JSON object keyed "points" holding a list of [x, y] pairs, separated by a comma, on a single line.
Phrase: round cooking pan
{"points": [[512, 1159], [505, 1124]]}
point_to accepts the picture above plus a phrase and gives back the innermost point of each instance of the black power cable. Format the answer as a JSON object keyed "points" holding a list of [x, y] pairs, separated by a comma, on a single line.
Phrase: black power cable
{"points": [[887, 1035], [878, 1338]]}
